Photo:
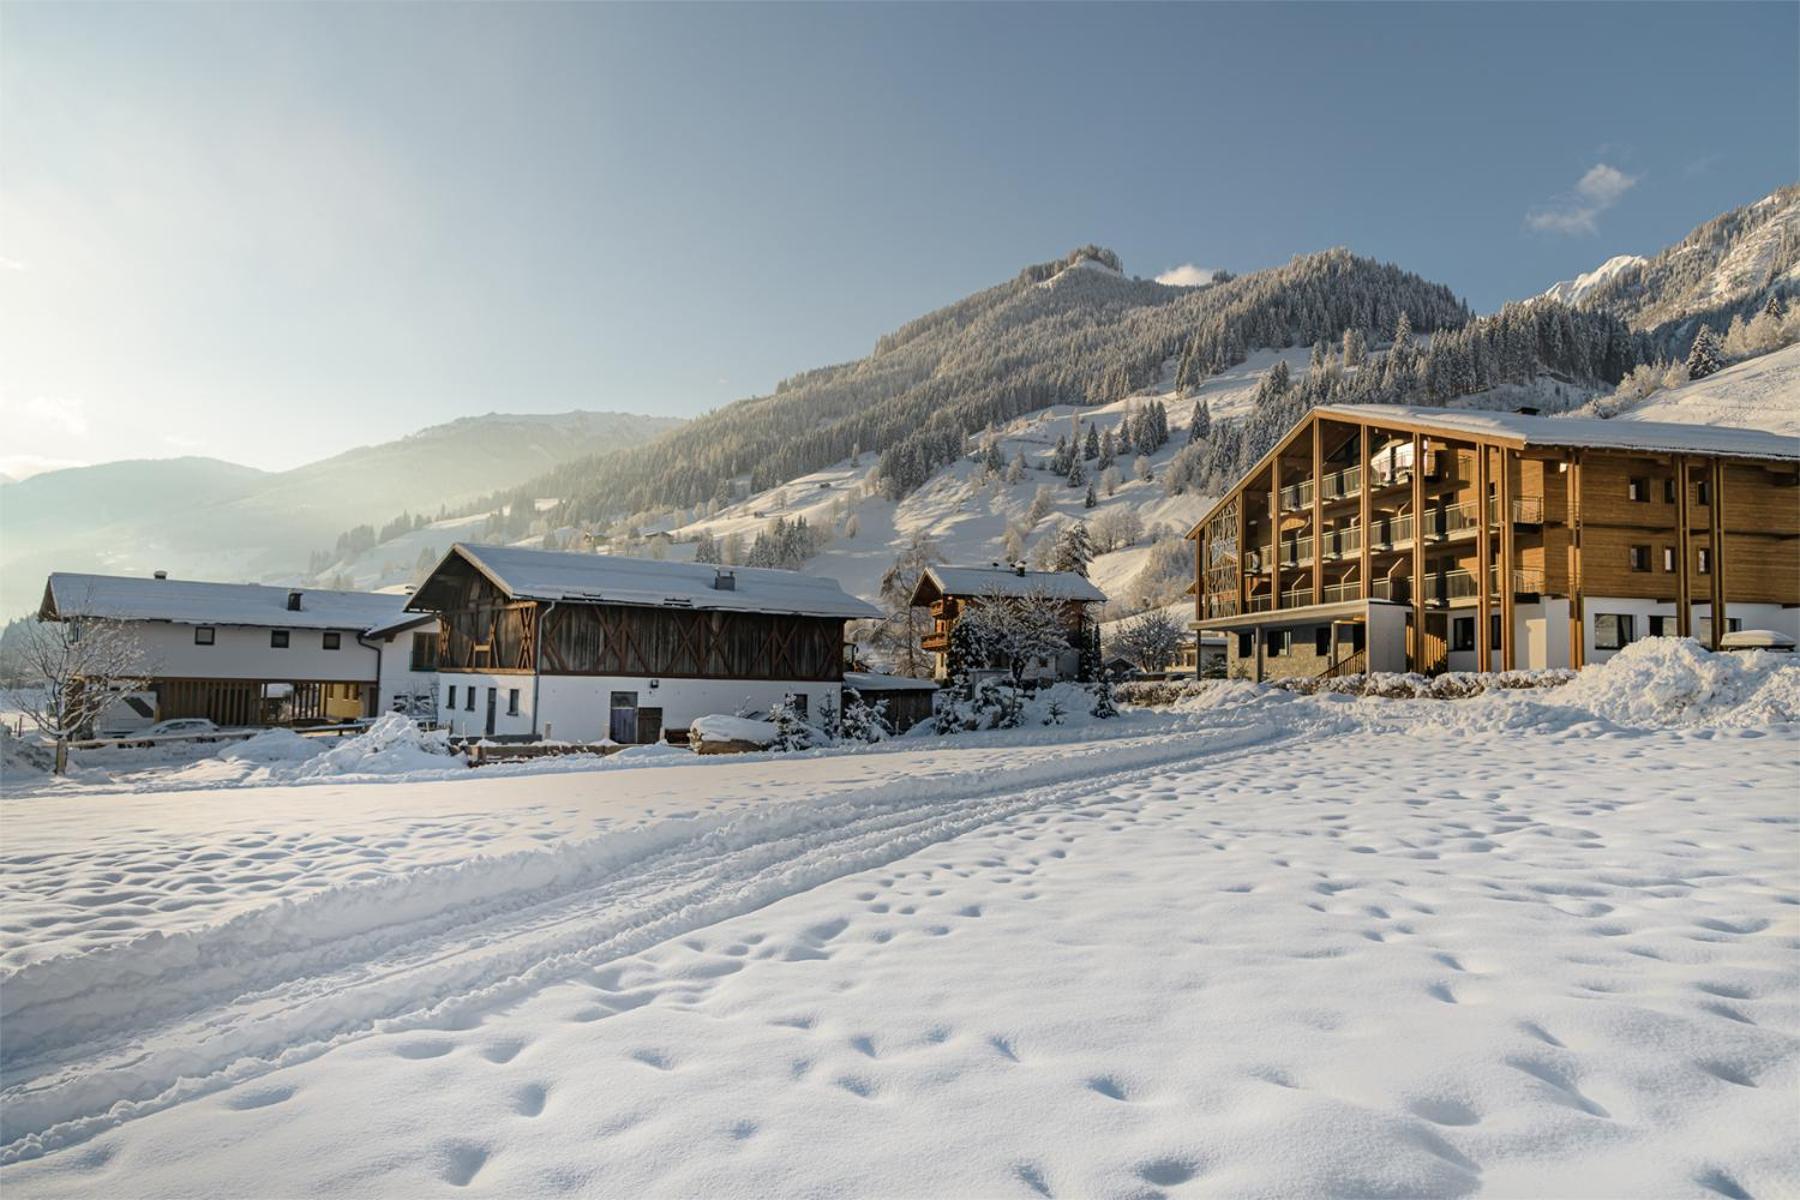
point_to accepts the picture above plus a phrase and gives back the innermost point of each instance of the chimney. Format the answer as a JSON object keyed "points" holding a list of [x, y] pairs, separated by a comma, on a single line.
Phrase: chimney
{"points": [[293, 601], [159, 574], [724, 581]]}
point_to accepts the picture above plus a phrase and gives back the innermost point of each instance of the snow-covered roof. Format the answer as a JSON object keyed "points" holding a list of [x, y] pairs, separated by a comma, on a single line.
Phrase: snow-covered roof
{"points": [[995, 580], [613, 579], [872, 681], [193, 602], [1579, 432]]}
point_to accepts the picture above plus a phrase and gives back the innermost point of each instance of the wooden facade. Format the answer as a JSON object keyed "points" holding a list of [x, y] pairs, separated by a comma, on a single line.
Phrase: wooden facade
{"points": [[482, 630], [1358, 506], [264, 701]]}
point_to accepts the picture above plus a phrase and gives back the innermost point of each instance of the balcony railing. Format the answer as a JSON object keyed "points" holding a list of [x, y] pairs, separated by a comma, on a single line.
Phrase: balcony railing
{"points": [[1298, 597], [1339, 542], [1339, 484], [1397, 588], [1295, 550], [1297, 495], [1336, 592], [1257, 604]]}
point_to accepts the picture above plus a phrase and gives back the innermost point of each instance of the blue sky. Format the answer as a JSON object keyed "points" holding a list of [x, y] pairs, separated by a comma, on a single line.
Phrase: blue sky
{"points": [[268, 233]]}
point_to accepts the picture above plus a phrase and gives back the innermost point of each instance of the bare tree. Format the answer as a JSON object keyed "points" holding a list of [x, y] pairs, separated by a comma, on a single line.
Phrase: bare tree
{"points": [[1018, 630], [77, 670], [904, 626], [1151, 640]]}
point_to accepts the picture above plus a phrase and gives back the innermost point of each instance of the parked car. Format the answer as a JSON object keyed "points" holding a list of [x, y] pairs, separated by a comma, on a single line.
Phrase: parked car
{"points": [[189, 726], [1757, 639]]}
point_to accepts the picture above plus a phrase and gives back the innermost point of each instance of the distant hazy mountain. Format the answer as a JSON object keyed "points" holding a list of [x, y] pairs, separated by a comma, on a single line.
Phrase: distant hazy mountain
{"points": [[203, 517], [1729, 265]]}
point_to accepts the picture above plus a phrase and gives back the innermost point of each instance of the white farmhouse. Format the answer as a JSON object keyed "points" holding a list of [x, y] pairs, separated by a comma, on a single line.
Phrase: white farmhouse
{"points": [[250, 654], [580, 647]]}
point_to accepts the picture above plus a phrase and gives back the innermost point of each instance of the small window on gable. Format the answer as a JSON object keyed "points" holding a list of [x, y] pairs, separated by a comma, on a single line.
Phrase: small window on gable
{"points": [[204, 635], [1702, 493], [1640, 558], [1637, 489], [278, 639], [332, 640]]}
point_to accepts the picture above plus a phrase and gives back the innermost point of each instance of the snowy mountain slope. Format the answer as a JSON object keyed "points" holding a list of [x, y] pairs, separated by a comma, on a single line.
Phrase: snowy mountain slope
{"points": [[1762, 393], [1572, 291], [1729, 264], [208, 519]]}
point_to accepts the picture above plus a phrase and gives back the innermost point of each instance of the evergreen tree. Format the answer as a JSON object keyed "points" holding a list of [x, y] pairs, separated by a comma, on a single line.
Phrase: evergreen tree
{"points": [[1091, 500], [1074, 550], [1705, 358], [1200, 428], [1109, 450], [706, 548], [1090, 449], [1077, 473], [1776, 307]]}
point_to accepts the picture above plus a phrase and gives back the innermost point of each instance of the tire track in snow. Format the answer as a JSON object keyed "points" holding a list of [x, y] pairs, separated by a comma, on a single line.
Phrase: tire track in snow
{"points": [[94, 1043]]}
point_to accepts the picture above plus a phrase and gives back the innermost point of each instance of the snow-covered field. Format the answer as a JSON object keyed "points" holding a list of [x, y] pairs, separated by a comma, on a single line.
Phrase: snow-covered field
{"points": [[1762, 393], [1529, 943]]}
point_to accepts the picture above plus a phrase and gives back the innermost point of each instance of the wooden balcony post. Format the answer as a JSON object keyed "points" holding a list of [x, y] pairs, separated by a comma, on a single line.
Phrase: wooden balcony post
{"points": [[1418, 554], [1318, 510], [1275, 531], [1200, 599], [1684, 552], [1364, 511], [1716, 514], [1577, 619], [1243, 552], [1484, 549], [1509, 561]]}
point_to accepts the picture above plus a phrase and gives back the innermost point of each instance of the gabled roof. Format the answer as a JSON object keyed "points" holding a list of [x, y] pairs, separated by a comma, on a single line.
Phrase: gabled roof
{"points": [[646, 583], [995, 580], [1525, 429], [193, 602]]}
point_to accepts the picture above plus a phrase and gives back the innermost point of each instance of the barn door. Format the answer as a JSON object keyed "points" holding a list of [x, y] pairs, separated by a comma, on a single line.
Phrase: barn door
{"points": [[623, 728], [649, 725]]}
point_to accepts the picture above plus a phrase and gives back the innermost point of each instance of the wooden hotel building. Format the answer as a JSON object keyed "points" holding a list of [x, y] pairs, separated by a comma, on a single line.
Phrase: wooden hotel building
{"points": [[1393, 538]]}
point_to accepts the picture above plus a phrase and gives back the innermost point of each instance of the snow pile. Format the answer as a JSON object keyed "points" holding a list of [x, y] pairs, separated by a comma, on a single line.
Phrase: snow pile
{"points": [[393, 745], [272, 746], [1661, 682], [22, 759]]}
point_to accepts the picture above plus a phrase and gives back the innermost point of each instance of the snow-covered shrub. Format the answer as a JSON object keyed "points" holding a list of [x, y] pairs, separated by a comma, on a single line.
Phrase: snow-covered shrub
{"points": [[1158, 693], [1104, 709], [791, 730], [1054, 711], [862, 721], [982, 703]]}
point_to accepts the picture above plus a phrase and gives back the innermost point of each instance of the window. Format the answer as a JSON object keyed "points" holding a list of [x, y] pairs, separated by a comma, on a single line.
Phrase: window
{"points": [[512, 702], [332, 639], [1281, 641], [1705, 561], [1246, 644], [469, 699], [1640, 558], [1358, 638], [1668, 558], [1322, 641], [450, 696], [1702, 493], [1662, 626], [424, 651], [278, 639], [798, 702], [1462, 633], [1668, 491], [1613, 631], [204, 635], [1637, 489], [1494, 632]]}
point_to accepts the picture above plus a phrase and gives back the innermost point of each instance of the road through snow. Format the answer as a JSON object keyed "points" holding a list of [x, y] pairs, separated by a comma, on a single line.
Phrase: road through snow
{"points": [[104, 1036]]}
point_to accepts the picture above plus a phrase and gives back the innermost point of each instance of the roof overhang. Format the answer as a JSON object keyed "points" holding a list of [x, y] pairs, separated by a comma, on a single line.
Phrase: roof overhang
{"points": [[1312, 614]]}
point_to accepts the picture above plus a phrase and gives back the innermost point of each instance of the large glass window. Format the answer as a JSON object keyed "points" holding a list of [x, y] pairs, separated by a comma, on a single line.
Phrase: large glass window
{"points": [[1613, 631]]}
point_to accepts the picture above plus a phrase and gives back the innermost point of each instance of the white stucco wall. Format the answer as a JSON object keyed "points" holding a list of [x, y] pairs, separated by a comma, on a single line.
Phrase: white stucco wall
{"points": [[243, 652], [578, 708], [397, 676], [1386, 637], [1754, 616]]}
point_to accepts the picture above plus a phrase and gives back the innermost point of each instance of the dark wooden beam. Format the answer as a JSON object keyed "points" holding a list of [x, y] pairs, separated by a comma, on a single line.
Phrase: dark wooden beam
{"points": [[1684, 551]]}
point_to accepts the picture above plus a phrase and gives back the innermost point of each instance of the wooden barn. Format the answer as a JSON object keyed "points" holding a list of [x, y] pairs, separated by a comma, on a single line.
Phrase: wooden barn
{"points": [[580, 647]]}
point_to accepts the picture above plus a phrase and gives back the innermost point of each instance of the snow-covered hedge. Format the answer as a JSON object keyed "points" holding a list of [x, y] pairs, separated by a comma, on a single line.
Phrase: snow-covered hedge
{"points": [[1454, 685]]}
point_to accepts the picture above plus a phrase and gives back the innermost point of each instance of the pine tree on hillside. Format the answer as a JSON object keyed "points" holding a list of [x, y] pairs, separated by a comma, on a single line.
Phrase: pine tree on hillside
{"points": [[1091, 500], [1200, 428], [1074, 551], [1090, 449], [1109, 450], [1077, 473], [1705, 358], [706, 548], [1776, 307]]}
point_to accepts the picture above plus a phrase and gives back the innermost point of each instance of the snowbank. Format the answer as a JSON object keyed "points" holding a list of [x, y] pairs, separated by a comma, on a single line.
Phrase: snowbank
{"points": [[272, 746], [22, 759], [717, 727], [1663, 682], [394, 745]]}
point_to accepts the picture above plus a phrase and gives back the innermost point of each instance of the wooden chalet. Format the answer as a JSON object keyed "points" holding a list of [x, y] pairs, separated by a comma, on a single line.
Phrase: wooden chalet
{"points": [[949, 591], [589, 646], [1383, 537]]}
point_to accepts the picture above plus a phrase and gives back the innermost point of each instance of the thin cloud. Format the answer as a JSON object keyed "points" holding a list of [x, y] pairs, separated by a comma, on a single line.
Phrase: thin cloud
{"points": [[1186, 275], [1579, 211]]}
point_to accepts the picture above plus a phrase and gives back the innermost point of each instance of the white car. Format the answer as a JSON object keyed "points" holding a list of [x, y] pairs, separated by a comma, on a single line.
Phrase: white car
{"points": [[189, 726]]}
